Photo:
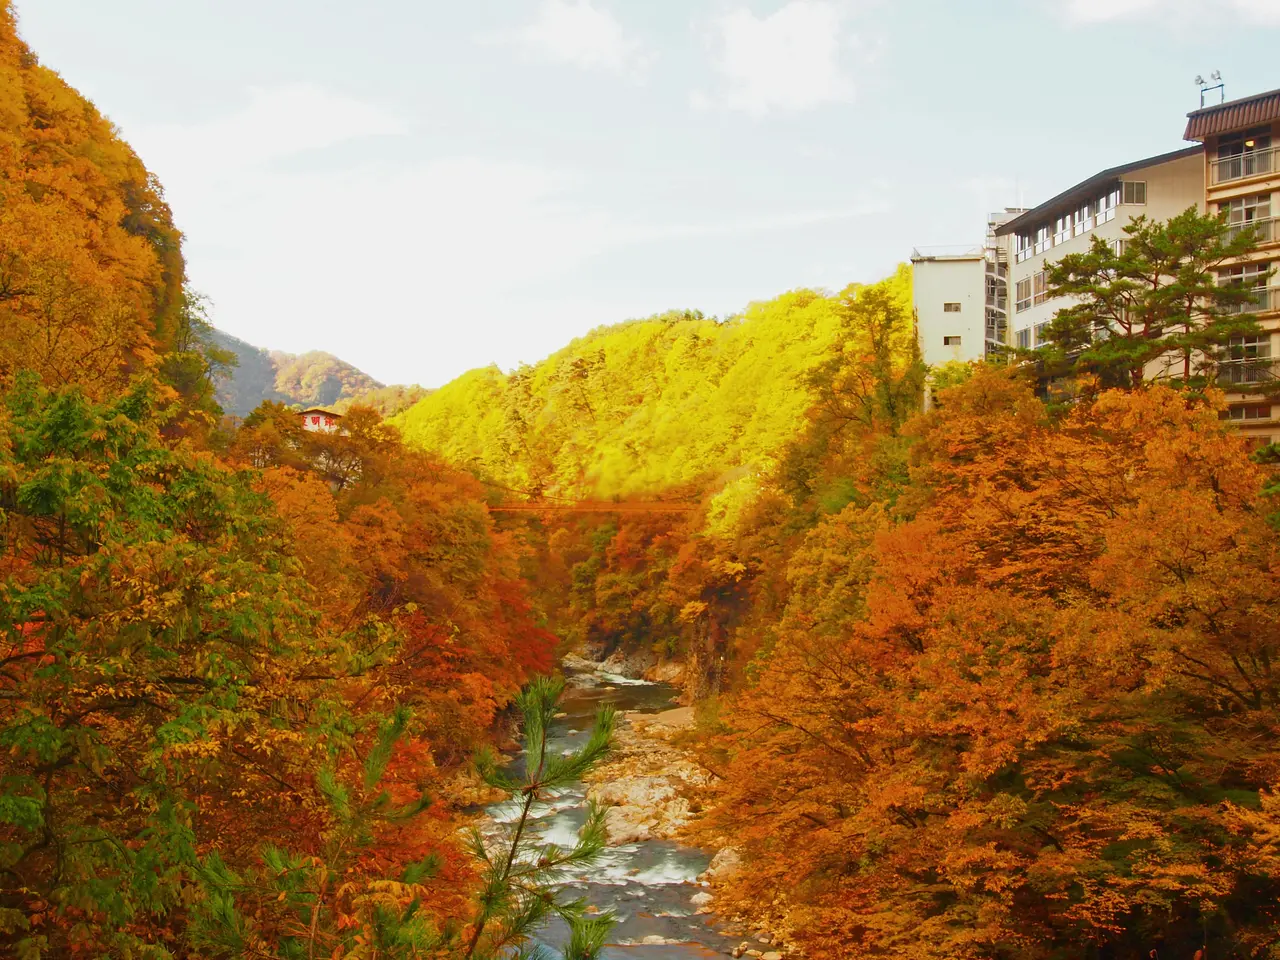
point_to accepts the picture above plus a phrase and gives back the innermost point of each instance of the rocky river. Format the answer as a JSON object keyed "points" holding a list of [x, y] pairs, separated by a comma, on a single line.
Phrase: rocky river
{"points": [[656, 887]]}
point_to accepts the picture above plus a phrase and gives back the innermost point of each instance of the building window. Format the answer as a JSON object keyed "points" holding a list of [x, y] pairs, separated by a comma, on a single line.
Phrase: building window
{"points": [[1024, 245], [1063, 229], [1106, 207], [1082, 221], [1040, 331], [951, 341], [1243, 155], [1245, 144], [1247, 209], [1253, 277], [1248, 411], [1134, 191], [1249, 213], [1247, 360], [1024, 339], [1022, 301], [1043, 238], [951, 308], [1040, 286]]}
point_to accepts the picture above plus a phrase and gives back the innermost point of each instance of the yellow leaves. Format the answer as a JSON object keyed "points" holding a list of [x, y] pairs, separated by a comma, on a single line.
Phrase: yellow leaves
{"points": [[692, 611]]}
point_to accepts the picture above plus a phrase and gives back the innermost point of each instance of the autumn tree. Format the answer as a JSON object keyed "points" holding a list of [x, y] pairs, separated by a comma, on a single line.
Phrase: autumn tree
{"points": [[864, 391], [1163, 295], [1013, 714], [91, 268]]}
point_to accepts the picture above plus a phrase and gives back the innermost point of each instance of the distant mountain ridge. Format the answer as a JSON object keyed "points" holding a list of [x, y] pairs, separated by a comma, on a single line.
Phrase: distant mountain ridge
{"points": [[314, 378]]}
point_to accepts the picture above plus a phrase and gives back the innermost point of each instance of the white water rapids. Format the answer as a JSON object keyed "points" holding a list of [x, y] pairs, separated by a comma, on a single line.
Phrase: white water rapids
{"points": [[649, 885]]}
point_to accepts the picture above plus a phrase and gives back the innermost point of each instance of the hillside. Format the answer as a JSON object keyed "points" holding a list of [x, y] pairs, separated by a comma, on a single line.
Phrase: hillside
{"points": [[92, 271], [667, 403], [314, 377]]}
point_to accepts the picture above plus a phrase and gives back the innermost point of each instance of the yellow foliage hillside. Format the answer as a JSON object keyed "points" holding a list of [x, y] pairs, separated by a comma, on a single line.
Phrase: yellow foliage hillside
{"points": [[674, 402]]}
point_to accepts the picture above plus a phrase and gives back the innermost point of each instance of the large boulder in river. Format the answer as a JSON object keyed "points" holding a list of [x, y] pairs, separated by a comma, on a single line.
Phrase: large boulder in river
{"points": [[668, 672], [725, 862], [631, 664], [579, 664], [640, 808]]}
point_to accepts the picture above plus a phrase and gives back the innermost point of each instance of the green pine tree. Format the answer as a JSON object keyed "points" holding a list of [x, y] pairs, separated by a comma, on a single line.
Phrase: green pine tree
{"points": [[1160, 293], [519, 876]]}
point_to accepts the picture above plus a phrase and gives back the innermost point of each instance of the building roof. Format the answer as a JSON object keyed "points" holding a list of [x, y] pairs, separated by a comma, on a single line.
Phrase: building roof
{"points": [[327, 413], [1233, 115], [947, 253], [1069, 199]]}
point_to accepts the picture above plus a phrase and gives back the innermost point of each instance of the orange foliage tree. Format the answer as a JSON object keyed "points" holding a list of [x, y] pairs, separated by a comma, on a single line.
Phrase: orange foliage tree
{"points": [[1030, 708]]}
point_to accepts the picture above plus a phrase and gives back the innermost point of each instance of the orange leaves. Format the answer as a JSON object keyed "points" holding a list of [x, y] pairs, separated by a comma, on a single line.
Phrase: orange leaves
{"points": [[1004, 713], [92, 261]]}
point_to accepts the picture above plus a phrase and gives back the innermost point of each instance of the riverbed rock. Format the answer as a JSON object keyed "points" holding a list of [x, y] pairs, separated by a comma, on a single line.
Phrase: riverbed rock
{"points": [[771, 955], [724, 863], [669, 671], [576, 662], [630, 664], [646, 782]]}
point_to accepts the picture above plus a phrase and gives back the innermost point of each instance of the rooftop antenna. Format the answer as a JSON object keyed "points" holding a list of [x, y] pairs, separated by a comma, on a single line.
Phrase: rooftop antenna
{"points": [[1217, 84]]}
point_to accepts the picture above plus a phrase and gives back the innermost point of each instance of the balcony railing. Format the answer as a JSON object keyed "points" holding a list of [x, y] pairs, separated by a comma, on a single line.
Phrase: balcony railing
{"points": [[1265, 229], [1247, 371], [1243, 165], [1264, 300]]}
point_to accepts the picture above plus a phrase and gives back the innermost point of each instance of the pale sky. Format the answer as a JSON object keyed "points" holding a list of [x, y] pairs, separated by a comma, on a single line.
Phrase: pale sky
{"points": [[422, 187]]}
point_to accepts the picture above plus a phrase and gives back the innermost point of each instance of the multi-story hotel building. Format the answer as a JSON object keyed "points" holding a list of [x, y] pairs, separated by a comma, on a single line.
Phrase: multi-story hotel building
{"points": [[1102, 206], [1240, 176], [972, 303]]}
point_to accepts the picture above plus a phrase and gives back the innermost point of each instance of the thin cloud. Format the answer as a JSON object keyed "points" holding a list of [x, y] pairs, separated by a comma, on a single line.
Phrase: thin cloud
{"points": [[579, 34], [275, 123], [1259, 12], [793, 59]]}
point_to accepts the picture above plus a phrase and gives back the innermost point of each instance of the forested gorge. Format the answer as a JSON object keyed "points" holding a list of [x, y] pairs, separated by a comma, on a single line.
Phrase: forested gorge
{"points": [[995, 680]]}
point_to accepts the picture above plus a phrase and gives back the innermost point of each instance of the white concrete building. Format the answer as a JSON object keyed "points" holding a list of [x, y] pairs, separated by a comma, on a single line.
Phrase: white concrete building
{"points": [[961, 297], [949, 294], [1101, 206]]}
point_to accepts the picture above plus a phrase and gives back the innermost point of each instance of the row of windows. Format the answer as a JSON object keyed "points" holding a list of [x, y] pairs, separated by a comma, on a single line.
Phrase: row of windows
{"points": [[1034, 290], [1247, 209], [1248, 411], [1031, 291], [1092, 214], [1032, 336]]}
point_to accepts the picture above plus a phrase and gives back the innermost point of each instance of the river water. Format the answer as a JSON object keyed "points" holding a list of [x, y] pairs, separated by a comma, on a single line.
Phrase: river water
{"points": [[649, 885]]}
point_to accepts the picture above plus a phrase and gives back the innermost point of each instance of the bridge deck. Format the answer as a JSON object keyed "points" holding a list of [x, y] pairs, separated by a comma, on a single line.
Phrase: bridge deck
{"points": [[596, 506]]}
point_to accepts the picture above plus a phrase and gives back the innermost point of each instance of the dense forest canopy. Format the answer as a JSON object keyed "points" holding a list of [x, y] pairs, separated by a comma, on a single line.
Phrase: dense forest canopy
{"points": [[92, 271], [673, 403]]}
